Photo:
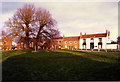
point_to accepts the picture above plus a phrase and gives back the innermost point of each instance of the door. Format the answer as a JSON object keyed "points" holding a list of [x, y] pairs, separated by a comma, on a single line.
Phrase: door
{"points": [[91, 45]]}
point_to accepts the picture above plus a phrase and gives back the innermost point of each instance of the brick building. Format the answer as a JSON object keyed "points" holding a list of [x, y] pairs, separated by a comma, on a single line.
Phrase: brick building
{"points": [[84, 41], [6, 43], [66, 42], [21, 44]]}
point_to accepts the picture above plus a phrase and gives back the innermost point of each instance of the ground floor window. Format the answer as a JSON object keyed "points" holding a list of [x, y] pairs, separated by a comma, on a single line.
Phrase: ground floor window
{"points": [[70, 47]]}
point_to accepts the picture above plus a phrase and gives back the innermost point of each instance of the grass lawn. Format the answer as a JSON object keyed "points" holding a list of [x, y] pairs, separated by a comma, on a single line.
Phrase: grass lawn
{"points": [[59, 65]]}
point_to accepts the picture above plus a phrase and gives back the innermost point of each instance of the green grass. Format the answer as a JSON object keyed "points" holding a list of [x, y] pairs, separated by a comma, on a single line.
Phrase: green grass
{"points": [[59, 65]]}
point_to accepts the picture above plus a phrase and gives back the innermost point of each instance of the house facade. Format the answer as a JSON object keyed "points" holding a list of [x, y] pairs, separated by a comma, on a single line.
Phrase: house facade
{"points": [[84, 41], [21, 44], [6, 43], [94, 41], [66, 42]]}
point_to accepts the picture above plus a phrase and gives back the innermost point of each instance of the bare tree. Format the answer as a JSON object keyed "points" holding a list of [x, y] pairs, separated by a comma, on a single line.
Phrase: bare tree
{"points": [[21, 23], [30, 22], [44, 26]]}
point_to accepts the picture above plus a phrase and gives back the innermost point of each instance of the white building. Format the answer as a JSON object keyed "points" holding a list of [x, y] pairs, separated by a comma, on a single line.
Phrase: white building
{"points": [[94, 41]]}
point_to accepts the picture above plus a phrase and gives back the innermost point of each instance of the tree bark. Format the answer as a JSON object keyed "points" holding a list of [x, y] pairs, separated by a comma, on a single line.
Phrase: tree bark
{"points": [[27, 36]]}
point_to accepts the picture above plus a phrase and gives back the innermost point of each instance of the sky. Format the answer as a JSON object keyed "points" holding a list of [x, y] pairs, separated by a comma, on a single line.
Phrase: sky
{"points": [[74, 17]]}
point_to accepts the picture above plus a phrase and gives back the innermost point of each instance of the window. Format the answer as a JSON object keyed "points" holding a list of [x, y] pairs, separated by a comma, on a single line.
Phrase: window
{"points": [[84, 40], [65, 46], [66, 42], [5, 42], [100, 39], [92, 40], [0, 43], [91, 45], [59, 41], [84, 43], [32, 44], [21, 42], [75, 46], [75, 42], [70, 42], [100, 43], [24, 45]]}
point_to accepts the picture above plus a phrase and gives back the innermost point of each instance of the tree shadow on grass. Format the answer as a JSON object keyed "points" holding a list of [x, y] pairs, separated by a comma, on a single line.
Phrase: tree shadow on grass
{"points": [[56, 66], [98, 56]]}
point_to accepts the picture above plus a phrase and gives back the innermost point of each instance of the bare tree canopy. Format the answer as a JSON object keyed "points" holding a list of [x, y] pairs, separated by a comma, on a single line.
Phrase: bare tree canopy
{"points": [[32, 22], [45, 25]]}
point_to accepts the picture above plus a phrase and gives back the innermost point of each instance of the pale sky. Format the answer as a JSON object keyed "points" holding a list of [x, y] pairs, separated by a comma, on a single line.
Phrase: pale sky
{"points": [[74, 17]]}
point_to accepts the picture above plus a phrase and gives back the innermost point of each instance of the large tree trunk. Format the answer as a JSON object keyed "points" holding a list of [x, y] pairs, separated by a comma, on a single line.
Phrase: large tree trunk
{"points": [[37, 37], [27, 37], [36, 45]]}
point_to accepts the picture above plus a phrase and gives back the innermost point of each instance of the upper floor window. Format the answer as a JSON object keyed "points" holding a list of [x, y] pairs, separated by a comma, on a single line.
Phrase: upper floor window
{"points": [[0, 43], [59, 41], [21, 42], [5, 42], [92, 40], [70, 42], [100, 39], [75, 42], [66, 42], [84, 40]]}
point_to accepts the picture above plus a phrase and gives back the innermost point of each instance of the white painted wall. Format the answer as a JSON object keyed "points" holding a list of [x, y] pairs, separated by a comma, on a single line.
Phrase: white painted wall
{"points": [[96, 40], [112, 46], [80, 43], [88, 43], [104, 41]]}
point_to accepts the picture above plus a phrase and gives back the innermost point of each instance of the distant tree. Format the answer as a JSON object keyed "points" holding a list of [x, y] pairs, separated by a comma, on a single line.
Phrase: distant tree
{"points": [[21, 23], [118, 39], [45, 26]]}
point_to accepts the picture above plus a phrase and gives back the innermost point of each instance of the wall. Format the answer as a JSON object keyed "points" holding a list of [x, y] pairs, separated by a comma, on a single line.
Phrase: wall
{"points": [[96, 40], [111, 46]]}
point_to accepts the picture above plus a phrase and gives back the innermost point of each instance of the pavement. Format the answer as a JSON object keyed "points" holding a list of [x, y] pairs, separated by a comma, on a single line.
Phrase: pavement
{"points": [[98, 51]]}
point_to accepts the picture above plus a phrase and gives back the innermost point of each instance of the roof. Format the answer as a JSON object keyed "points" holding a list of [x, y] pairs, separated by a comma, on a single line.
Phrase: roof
{"points": [[69, 38], [58, 38], [72, 38], [114, 43], [94, 35]]}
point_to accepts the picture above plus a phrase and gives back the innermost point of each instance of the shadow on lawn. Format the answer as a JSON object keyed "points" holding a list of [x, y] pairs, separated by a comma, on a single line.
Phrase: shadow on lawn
{"points": [[52, 65]]}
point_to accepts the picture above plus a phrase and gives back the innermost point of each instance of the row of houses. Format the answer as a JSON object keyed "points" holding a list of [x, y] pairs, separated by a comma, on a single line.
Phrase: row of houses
{"points": [[83, 41], [86, 41]]}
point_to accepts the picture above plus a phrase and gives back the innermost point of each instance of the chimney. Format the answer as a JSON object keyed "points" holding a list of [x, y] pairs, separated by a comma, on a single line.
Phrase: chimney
{"points": [[107, 31], [85, 34], [80, 33], [63, 36]]}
